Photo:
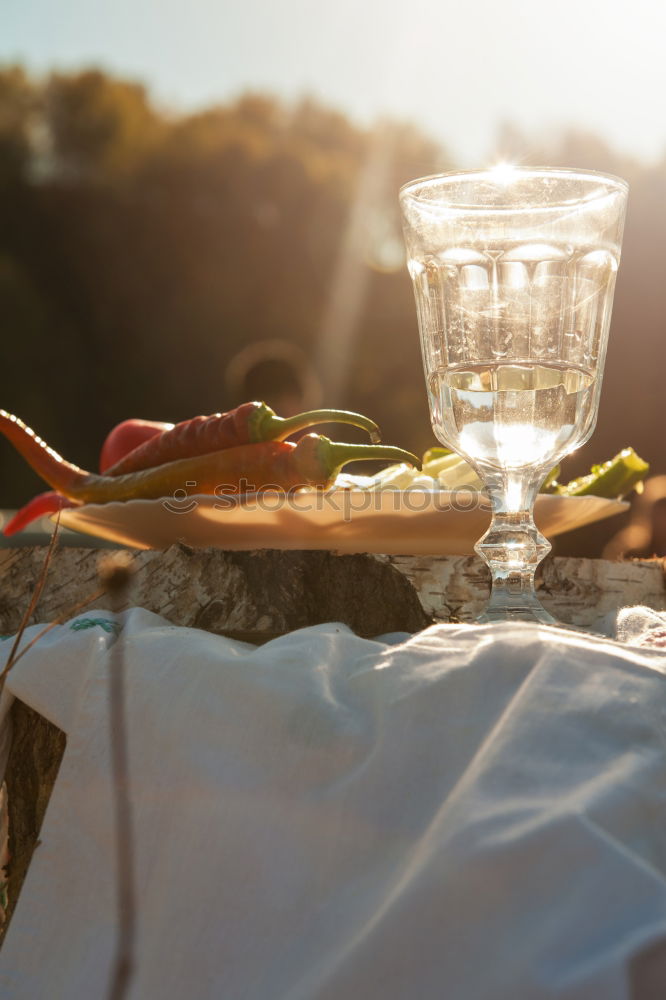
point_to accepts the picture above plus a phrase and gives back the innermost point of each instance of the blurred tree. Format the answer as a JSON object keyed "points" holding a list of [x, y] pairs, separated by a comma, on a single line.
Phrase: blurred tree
{"points": [[99, 126], [18, 105]]}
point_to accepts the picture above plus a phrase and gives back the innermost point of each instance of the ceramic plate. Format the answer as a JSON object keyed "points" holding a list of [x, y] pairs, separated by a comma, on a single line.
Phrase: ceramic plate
{"points": [[413, 522]]}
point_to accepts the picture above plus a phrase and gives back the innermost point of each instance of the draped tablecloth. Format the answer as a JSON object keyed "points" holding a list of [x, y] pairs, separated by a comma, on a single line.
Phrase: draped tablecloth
{"points": [[472, 812]]}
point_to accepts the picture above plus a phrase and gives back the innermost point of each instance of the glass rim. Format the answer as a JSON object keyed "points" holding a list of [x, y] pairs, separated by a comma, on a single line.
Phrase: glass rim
{"points": [[411, 188]]}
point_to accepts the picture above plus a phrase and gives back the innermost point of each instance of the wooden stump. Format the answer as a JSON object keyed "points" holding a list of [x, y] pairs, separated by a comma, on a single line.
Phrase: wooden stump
{"points": [[265, 593], [245, 594], [34, 760], [576, 591]]}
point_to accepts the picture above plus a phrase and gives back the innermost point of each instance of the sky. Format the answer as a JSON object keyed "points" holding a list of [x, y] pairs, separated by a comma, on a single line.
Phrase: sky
{"points": [[457, 69]]}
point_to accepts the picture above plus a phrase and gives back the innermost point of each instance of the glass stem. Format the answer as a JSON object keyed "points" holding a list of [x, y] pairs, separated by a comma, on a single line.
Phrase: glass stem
{"points": [[513, 547]]}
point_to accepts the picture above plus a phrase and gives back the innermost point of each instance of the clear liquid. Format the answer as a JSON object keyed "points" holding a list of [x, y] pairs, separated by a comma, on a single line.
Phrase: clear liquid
{"points": [[549, 302], [513, 415]]}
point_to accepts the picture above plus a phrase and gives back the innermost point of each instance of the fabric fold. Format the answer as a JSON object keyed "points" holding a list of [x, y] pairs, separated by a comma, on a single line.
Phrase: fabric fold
{"points": [[474, 811]]}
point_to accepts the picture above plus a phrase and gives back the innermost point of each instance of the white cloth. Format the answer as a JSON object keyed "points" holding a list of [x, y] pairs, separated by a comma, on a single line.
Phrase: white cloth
{"points": [[471, 813]]}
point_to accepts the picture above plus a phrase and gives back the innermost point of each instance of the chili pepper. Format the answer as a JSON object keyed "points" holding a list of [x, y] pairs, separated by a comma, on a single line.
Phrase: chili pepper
{"points": [[250, 423], [614, 478], [127, 436], [123, 439], [39, 506], [287, 465]]}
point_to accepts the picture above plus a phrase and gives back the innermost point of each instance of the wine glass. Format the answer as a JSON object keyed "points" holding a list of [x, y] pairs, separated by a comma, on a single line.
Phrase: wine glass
{"points": [[513, 271]]}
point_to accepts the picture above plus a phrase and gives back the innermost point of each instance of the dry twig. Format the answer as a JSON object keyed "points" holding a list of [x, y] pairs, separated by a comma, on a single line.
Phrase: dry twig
{"points": [[36, 594], [115, 575]]}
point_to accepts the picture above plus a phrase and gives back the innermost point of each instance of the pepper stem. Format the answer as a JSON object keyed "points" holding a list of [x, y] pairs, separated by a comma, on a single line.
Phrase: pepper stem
{"points": [[274, 428], [337, 454]]}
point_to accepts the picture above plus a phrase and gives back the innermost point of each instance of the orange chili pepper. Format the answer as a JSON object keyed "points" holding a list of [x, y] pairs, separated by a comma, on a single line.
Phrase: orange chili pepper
{"points": [[250, 423], [286, 465]]}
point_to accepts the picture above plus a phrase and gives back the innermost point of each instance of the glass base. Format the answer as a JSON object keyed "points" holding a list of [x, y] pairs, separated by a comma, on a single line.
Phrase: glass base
{"points": [[533, 612], [513, 547]]}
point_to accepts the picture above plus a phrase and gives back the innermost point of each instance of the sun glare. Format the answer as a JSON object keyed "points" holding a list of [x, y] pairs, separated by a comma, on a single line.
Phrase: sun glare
{"points": [[502, 172]]}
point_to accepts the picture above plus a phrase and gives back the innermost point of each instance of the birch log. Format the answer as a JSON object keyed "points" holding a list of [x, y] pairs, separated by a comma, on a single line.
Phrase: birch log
{"points": [[268, 592], [579, 592]]}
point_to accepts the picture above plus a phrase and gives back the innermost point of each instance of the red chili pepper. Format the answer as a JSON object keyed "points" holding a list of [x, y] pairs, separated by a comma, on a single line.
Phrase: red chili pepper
{"points": [[248, 424], [127, 436], [312, 461], [39, 506]]}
